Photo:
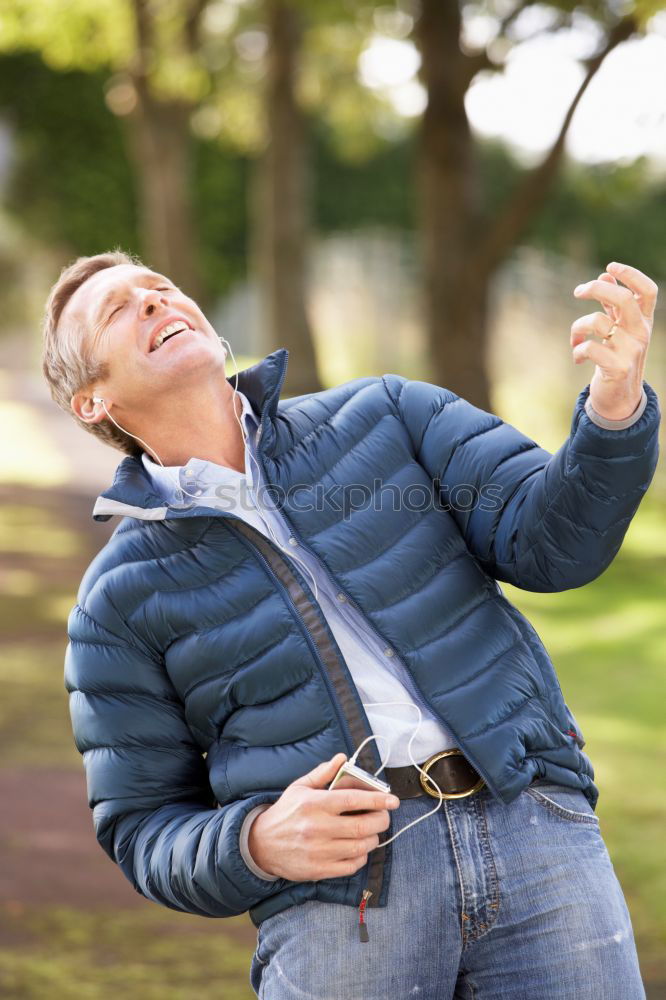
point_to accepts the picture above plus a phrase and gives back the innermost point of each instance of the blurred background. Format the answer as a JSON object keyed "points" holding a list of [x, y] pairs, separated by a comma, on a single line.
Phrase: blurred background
{"points": [[411, 187]]}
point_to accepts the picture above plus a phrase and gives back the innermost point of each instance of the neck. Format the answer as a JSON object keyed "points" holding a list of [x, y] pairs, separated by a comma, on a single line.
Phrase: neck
{"points": [[199, 424]]}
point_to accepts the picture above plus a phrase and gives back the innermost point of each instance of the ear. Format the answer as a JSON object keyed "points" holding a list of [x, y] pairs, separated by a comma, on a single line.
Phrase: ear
{"points": [[83, 406]]}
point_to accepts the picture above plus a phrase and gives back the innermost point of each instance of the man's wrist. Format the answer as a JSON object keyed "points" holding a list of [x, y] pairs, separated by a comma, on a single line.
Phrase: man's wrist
{"points": [[244, 843], [617, 424]]}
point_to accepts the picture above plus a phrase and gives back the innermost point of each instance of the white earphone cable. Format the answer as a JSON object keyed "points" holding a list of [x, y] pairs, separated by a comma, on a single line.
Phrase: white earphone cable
{"points": [[429, 778]]}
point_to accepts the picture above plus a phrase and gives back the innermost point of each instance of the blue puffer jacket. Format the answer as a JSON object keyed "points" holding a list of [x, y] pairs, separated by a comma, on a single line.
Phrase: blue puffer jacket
{"points": [[203, 678]]}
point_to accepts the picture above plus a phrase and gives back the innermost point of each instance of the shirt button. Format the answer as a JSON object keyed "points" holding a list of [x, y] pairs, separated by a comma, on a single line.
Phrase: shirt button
{"points": [[388, 651], [342, 597], [293, 541], [199, 492], [189, 472]]}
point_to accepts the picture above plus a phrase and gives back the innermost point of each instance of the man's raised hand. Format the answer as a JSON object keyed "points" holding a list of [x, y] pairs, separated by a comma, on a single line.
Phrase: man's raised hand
{"points": [[617, 383]]}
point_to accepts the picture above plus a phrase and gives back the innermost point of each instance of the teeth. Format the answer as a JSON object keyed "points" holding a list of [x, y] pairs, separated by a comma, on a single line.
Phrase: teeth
{"points": [[167, 331]]}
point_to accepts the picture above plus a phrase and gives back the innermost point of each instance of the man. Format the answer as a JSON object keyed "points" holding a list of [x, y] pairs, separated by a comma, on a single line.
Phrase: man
{"points": [[227, 640]]}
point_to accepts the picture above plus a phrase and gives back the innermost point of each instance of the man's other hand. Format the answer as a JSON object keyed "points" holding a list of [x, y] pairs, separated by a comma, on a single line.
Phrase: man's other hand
{"points": [[303, 836]]}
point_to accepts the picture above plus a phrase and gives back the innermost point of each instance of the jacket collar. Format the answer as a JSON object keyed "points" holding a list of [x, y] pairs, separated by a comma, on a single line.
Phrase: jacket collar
{"points": [[132, 493]]}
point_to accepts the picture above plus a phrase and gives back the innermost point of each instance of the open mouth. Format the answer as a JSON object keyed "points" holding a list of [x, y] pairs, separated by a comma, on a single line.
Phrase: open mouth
{"points": [[169, 331]]}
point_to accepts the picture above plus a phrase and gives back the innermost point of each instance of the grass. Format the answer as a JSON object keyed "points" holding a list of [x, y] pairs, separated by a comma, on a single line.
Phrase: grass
{"points": [[64, 954]]}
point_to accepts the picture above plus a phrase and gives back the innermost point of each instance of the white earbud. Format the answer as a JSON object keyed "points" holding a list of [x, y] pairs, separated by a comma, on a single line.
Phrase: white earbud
{"points": [[97, 399]]}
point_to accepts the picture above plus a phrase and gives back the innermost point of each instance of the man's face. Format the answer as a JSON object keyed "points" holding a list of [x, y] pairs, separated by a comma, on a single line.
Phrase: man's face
{"points": [[124, 310]]}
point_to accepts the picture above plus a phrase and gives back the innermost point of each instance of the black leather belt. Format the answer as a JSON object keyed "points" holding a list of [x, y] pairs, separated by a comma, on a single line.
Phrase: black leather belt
{"points": [[453, 773]]}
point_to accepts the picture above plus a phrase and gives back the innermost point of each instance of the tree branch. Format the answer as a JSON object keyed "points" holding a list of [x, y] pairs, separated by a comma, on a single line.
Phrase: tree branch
{"points": [[507, 21], [531, 192], [144, 40], [478, 61], [192, 24]]}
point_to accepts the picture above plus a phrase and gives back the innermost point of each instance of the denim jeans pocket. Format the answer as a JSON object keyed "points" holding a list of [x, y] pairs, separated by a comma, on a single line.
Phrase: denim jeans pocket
{"points": [[567, 803]]}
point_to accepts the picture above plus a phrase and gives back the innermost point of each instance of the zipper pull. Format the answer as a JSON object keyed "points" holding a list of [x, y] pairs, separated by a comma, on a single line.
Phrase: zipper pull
{"points": [[362, 926]]}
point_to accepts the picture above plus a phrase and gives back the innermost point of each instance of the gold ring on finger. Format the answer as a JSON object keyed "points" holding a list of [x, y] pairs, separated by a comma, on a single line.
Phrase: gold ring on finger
{"points": [[610, 333]]}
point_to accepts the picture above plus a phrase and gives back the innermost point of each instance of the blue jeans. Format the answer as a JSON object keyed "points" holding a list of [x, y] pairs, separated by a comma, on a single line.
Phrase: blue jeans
{"points": [[485, 901]]}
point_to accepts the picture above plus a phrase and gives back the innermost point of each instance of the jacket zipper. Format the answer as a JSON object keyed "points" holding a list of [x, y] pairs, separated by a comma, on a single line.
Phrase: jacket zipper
{"points": [[367, 892]]}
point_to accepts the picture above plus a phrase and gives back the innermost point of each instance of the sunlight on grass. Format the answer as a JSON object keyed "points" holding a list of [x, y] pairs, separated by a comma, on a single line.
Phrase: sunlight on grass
{"points": [[34, 712], [26, 453], [646, 535], [32, 531], [58, 606], [19, 583], [154, 955]]}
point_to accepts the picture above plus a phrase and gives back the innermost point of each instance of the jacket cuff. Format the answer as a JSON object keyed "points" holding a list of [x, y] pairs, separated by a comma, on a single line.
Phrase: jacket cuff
{"points": [[588, 438], [616, 425], [243, 843]]}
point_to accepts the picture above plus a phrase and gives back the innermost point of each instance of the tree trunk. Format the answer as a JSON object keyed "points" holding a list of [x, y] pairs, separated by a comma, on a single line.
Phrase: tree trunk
{"points": [[160, 149], [455, 295], [461, 251], [280, 206], [160, 141]]}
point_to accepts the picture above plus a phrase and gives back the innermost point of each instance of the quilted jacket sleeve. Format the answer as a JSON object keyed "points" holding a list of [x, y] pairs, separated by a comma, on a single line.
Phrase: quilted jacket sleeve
{"points": [[153, 809], [539, 521]]}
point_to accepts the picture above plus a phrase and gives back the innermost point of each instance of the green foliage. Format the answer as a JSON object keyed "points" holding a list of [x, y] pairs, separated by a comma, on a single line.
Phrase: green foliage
{"points": [[617, 212], [71, 184], [76, 35], [73, 187], [221, 178], [374, 190]]}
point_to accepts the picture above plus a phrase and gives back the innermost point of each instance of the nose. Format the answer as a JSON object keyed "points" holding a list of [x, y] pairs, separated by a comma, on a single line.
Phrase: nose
{"points": [[150, 299]]}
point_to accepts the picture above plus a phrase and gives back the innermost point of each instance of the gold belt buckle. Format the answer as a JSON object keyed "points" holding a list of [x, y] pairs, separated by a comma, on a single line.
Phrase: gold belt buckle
{"points": [[425, 784]]}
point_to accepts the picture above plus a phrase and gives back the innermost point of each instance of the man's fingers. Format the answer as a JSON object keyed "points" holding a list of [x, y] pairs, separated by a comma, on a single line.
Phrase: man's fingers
{"points": [[601, 354], [614, 295], [643, 287], [609, 310], [597, 323], [340, 800], [322, 775], [343, 849], [348, 867], [360, 827]]}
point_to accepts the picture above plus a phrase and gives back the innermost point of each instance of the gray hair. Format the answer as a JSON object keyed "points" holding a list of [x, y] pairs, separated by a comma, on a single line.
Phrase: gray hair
{"points": [[68, 360]]}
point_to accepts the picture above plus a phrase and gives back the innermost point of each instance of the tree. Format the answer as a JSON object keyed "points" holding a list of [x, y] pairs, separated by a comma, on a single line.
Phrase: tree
{"points": [[156, 78], [281, 204], [461, 246], [160, 140]]}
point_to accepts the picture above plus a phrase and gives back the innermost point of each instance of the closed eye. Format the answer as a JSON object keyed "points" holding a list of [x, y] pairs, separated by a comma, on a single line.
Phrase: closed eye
{"points": [[113, 313]]}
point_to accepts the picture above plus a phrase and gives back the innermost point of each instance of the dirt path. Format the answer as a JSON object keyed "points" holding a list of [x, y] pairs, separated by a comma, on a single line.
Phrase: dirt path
{"points": [[48, 851]]}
